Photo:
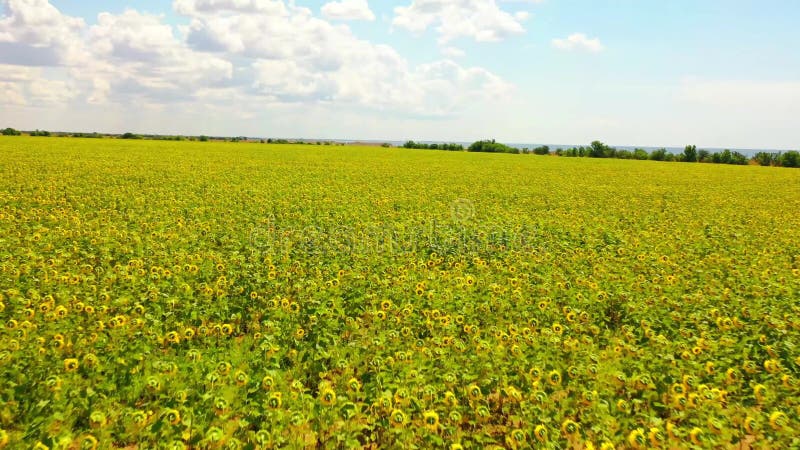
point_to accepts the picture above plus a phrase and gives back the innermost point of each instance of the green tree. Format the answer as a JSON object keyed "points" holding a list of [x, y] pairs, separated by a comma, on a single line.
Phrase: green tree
{"points": [[11, 132], [767, 159], [491, 146], [598, 149], [790, 159], [659, 155], [690, 153], [541, 150]]}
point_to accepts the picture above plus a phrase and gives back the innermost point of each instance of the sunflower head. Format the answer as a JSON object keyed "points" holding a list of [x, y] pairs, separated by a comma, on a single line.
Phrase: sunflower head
{"points": [[97, 419], [241, 378], [554, 378], [636, 439], [778, 420], [474, 391], [327, 396], [274, 400], [540, 432], [397, 418], [516, 439], [569, 427], [431, 420], [696, 436], [70, 364], [172, 416]]}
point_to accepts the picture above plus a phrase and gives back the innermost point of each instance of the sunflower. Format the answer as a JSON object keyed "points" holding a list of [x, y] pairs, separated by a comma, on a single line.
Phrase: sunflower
{"points": [[194, 355], [97, 419], [751, 425], [431, 420], [397, 418], [70, 364], [138, 418], [173, 337], [450, 399], [554, 378], [696, 436], [474, 392], [262, 437], [275, 400], [715, 425], [516, 439], [656, 437], [731, 376], [353, 385], [540, 431], [570, 428], [483, 412], [636, 439], [3, 438], [778, 420], [241, 378], [214, 435], [759, 392], [224, 368], [327, 396], [221, 405], [172, 416]]}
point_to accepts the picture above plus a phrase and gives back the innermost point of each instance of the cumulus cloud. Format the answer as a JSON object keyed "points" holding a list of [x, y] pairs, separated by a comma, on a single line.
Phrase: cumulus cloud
{"points": [[27, 86], [142, 54], [578, 41], [481, 20], [299, 57], [348, 10], [258, 53], [34, 32]]}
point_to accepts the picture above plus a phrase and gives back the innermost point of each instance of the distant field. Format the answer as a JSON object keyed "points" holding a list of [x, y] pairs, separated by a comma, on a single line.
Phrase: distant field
{"points": [[221, 295]]}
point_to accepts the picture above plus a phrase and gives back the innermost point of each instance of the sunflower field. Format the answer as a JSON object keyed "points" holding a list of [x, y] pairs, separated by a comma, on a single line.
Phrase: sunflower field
{"points": [[246, 296]]}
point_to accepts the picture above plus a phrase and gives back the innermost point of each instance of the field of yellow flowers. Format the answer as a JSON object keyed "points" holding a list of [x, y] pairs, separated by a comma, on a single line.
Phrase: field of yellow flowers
{"points": [[221, 295]]}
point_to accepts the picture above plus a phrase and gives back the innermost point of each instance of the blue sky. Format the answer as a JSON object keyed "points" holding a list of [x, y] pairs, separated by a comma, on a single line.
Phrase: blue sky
{"points": [[628, 72]]}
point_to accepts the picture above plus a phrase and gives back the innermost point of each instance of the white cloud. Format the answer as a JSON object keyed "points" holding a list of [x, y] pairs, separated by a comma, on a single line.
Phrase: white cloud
{"points": [[452, 52], [301, 58], [34, 32], [194, 7], [141, 53], [481, 20], [578, 41], [21, 85], [256, 54], [348, 10]]}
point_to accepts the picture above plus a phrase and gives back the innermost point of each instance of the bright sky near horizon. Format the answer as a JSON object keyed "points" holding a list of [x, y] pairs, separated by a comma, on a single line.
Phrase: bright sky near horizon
{"points": [[715, 73]]}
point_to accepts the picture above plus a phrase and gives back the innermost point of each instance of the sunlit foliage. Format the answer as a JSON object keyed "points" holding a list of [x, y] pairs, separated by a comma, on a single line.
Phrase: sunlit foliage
{"points": [[215, 295]]}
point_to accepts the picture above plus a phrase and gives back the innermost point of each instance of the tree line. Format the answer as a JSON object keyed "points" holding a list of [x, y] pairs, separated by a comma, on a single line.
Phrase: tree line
{"points": [[690, 153], [596, 149]]}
